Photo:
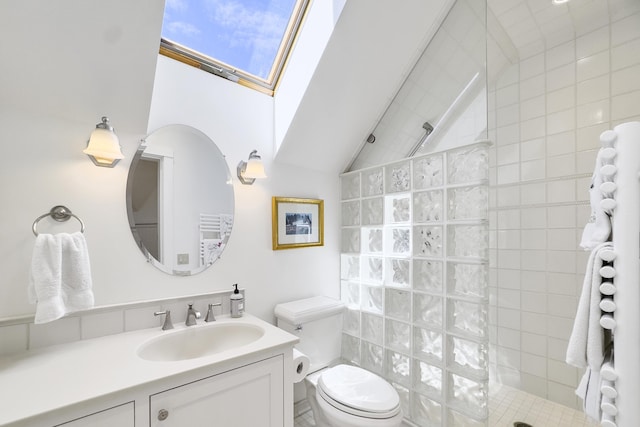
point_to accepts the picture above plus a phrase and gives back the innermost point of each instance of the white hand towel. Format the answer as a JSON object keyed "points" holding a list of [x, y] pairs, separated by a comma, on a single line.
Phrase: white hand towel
{"points": [[45, 287], [598, 229], [212, 248], [76, 273], [60, 279], [586, 343]]}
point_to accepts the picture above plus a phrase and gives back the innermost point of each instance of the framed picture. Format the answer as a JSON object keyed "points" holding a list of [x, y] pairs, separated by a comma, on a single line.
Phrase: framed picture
{"points": [[297, 223]]}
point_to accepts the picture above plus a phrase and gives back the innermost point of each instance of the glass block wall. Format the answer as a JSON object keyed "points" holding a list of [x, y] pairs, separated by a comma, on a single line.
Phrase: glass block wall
{"points": [[414, 267]]}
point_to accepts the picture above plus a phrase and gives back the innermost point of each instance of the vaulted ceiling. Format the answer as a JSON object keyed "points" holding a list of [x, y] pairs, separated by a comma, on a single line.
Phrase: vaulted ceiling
{"points": [[75, 51]]}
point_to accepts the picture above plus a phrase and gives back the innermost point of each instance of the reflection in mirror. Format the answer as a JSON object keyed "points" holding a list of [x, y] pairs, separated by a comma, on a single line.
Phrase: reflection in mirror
{"points": [[180, 200]]}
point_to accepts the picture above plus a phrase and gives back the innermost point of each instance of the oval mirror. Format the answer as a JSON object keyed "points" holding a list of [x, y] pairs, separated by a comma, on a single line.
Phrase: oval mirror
{"points": [[180, 200]]}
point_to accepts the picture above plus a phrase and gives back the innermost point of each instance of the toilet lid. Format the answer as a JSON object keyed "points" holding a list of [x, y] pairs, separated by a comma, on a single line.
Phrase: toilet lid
{"points": [[359, 389]]}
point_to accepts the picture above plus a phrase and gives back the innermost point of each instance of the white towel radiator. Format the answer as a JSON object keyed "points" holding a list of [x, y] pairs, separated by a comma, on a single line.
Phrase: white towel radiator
{"points": [[625, 138]]}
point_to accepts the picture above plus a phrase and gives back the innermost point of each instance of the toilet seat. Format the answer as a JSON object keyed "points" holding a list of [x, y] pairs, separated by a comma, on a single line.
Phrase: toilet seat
{"points": [[358, 392]]}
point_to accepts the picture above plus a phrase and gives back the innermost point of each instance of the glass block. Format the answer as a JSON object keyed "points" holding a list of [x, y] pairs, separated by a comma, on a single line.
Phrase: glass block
{"points": [[351, 240], [427, 310], [371, 270], [371, 240], [427, 206], [372, 357], [372, 182], [468, 357], [397, 241], [427, 344], [350, 294], [349, 267], [427, 379], [467, 317], [426, 412], [350, 185], [398, 304], [427, 275], [427, 241], [405, 398], [372, 328], [351, 322], [469, 280], [468, 395], [398, 273], [397, 336], [397, 209], [456, 419], [468, 241], [427, 172], [469, 164], [373, 211], [351, 213], [371, 299], [351, 348], [398, 368], [398, 177], [468, 203]]}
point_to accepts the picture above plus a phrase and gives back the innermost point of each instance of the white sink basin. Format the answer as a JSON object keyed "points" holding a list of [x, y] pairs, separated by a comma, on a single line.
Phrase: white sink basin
{"points": [[199, 341]]}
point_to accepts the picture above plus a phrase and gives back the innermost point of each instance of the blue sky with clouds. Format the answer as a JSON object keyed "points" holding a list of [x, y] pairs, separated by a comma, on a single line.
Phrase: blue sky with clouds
{"points": [[245, 34]]}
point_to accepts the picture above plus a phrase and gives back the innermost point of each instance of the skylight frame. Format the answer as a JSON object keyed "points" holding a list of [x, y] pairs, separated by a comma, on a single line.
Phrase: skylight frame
{"points": [[206, 63]]}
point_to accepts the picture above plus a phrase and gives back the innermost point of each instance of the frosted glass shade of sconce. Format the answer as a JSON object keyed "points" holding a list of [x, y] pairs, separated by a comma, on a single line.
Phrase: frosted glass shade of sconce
{"points": [[104, 146], [252, 169]]}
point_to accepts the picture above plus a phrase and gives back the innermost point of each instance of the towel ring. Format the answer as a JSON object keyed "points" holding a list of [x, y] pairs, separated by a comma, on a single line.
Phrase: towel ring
{"points": [[59, 213]]}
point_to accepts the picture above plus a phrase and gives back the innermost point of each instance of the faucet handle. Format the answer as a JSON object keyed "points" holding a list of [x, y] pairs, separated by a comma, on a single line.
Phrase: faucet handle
{"points": [[167, 324], [210, 316]]}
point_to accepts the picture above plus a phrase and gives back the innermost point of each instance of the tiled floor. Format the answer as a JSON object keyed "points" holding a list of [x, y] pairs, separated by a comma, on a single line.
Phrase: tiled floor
{"points": [[508, 405], [305, 420]]}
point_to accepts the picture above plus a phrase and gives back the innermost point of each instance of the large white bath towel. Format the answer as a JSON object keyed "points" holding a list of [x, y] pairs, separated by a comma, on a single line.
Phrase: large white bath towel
{"points": [[586, 344], [589, 391], [60, 277], [598, 229]]}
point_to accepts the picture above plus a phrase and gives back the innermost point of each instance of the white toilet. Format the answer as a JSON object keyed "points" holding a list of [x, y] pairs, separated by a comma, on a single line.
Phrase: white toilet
{"points": [[339, 395]]}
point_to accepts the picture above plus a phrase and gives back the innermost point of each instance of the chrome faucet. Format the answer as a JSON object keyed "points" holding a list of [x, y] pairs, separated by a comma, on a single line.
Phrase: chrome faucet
{"points": [[167, 319], [192, 315]]}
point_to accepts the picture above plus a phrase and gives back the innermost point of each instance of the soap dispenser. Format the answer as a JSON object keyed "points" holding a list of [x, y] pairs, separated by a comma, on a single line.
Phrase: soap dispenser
{"points": [[237, 303]]}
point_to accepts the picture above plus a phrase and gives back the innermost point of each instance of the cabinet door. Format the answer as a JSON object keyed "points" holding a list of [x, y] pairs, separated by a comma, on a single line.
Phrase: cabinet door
{"points": [[250, 396], [121, 416]]}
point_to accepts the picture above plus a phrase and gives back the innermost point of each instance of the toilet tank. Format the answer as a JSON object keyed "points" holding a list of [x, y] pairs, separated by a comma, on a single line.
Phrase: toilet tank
{"points": [[317, 321]]}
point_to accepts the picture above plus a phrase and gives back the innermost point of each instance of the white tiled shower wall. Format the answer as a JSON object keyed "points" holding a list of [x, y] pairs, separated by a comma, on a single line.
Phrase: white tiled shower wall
{"points": [[546, 115]]}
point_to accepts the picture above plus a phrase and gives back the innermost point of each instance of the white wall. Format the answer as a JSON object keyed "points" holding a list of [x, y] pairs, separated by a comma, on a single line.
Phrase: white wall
{"points": [[47, 167]]}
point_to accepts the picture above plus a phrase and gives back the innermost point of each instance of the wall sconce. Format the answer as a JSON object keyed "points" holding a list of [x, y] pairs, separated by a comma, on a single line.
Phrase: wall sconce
{"points": [[103, 147], [252, 169]]}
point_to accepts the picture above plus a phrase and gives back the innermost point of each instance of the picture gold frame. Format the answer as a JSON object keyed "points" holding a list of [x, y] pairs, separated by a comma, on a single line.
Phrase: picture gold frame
{"points": [[297, 223]]}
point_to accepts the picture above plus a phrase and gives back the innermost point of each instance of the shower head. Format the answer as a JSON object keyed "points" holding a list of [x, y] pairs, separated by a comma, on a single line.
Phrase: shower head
{"points": [[427, 127]]}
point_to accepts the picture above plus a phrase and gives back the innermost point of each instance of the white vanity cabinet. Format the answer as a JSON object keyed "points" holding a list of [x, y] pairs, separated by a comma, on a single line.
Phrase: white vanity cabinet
{"points": [[249, 396], [110, 382], [121, 416]]}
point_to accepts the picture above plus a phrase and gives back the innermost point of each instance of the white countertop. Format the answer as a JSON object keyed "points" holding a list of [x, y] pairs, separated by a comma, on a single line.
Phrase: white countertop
{"points": [[42, 380]]}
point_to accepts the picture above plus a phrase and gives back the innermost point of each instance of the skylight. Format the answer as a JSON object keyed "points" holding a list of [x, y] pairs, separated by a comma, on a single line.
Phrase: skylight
{"points": [[247, 41]]}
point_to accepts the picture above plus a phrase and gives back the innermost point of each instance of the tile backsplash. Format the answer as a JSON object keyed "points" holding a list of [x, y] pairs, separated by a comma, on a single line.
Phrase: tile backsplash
{"points": [[21, 334]]}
